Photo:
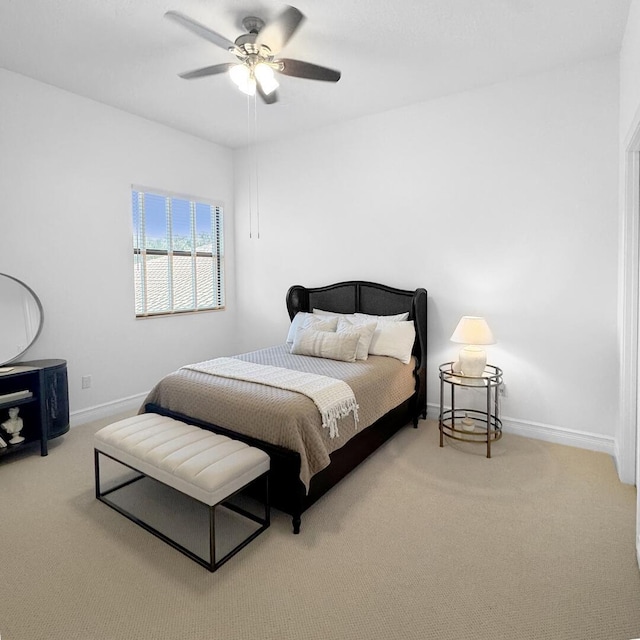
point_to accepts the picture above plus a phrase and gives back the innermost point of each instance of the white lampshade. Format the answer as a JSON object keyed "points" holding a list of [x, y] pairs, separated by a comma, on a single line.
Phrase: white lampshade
{"points": [[249, 87], [240, 73], [265, 76], [242, 76], [472, 331]]}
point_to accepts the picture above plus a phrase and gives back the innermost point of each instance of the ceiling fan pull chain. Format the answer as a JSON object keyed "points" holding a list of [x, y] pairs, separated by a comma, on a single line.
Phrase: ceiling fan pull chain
{"points": [[255, 160], [249, 164], [252, 165]]}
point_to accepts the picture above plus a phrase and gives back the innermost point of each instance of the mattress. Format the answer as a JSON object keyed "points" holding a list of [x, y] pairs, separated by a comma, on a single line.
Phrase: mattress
{"points": [[287, 418]]}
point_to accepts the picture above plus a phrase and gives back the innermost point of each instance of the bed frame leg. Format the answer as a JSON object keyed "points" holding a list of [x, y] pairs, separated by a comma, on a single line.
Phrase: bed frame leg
{"points": [[296, 520]]}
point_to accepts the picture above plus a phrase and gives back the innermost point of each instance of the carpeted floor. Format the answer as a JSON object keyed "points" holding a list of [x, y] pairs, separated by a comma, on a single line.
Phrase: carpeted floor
{"points": [[418, 543]]}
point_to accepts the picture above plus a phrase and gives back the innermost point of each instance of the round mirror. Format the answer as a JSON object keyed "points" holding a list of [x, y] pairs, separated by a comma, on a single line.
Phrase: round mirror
{"points": [[21, 318]]}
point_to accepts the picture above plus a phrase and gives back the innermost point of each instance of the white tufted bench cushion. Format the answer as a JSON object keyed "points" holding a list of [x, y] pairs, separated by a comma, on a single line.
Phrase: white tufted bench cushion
{"points": [[199, 463], [204, 465]]}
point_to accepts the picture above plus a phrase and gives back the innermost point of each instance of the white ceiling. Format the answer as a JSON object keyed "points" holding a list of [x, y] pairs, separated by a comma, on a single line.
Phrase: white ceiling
{"points": [[125, 54]]}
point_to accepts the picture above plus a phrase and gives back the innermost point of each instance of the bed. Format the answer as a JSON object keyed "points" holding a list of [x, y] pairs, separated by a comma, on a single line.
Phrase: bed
{"points": [[305, 461]]}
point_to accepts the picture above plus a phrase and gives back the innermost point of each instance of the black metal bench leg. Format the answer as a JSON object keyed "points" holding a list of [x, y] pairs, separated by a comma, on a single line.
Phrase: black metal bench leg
{"points": [[96, 463], [212, 538], [267, 503]]}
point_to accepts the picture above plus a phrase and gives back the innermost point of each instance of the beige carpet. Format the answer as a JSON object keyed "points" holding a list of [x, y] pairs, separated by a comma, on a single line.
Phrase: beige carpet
{"points": [[419, 542]]}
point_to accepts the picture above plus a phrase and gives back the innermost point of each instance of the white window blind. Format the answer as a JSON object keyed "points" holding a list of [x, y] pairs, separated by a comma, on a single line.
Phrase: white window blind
{"points": [[177, 253]]}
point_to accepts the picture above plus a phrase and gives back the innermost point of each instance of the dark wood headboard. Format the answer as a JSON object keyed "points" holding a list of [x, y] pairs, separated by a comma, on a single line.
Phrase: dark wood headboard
{"points": [[358, 296]]}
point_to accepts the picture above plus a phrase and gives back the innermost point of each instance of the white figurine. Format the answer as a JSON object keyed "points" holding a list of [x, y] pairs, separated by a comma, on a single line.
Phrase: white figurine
{"points": [[13, 426]]}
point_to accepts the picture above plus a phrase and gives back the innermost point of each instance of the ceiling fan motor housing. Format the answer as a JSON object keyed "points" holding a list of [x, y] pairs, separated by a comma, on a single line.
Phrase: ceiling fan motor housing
{"points": [[247, 42], [253, 24]]}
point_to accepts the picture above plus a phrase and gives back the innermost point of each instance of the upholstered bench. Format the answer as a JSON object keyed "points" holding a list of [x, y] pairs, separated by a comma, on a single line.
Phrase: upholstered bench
{"points": [[201, 464]]}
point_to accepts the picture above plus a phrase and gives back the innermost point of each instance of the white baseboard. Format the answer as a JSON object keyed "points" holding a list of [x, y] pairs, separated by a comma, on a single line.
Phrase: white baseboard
{"points": [[108, 409], [625, 472], [548, 433], [559, 435]]}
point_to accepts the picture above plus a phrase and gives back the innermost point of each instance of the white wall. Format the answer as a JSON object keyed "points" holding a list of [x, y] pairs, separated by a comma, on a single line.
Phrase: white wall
{"points": [[66, 169], [501, 202]]}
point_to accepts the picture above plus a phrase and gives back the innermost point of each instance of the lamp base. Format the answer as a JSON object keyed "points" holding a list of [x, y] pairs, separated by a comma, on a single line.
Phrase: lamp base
{"points": [[468, 424], [472, 360]]}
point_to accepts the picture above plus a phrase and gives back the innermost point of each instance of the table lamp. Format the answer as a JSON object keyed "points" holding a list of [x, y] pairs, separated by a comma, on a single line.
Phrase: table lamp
{"points": [[472, 331]]}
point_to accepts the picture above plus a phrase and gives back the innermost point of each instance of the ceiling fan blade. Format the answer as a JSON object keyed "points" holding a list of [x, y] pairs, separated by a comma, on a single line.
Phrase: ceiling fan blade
{"points": [[300, 69], [199, 29], [278, 32], [207, 71], [270, 98]]}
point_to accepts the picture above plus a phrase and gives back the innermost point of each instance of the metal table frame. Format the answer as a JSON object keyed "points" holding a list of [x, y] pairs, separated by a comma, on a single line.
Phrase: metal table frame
{"points": [[450, 421]]}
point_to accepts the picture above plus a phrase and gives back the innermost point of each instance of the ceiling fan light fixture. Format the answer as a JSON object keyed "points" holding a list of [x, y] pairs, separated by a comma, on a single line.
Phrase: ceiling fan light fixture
{"points": [[240, 73], [265, 76], [249, 87], [242, 76]]}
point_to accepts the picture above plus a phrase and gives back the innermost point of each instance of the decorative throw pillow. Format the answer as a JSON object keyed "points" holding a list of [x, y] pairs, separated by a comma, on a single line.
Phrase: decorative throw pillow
{"points": [[393, 339], [399, 317], [302, 319], [325, 344], [364, 332]]}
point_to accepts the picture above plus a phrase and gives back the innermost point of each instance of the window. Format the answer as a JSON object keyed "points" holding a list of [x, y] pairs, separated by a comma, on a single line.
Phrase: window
{"points": [[177, 253]]}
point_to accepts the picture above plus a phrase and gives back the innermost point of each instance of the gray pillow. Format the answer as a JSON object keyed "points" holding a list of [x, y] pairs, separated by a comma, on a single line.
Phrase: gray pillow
{"points": [[325, 344]]}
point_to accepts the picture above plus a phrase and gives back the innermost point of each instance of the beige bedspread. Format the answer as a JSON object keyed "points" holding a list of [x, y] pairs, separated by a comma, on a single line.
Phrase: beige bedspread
{"points": [[282, 417]]}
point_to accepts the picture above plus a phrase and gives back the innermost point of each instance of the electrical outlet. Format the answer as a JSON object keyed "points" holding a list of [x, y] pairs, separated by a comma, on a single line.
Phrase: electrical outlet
{"points": [[86, 382], [502, 390]]}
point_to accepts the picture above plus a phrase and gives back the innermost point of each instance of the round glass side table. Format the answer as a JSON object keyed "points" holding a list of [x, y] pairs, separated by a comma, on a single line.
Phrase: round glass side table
{"points": [[470, 425]]}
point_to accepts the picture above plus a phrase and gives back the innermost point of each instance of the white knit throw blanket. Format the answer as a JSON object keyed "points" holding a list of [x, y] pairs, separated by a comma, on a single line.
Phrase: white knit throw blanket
{"points": [[334, 398]]}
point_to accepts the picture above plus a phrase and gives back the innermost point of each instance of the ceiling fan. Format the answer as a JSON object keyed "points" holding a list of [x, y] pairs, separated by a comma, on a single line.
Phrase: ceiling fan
{"points": [[257, 52]]}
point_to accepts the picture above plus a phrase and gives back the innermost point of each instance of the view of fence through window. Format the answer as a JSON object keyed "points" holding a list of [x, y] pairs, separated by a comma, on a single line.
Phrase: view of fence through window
{"points": [[177, 252]]}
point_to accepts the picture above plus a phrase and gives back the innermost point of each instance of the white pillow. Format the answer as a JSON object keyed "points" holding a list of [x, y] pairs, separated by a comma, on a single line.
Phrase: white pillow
{"points": [[393, 339], [320, 312], [320, 323], [399, 317], [364, 332], [302, 319], [296, 323], [325, 344]]}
